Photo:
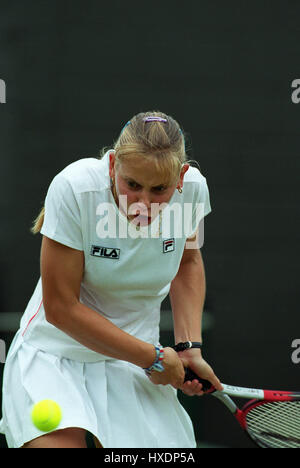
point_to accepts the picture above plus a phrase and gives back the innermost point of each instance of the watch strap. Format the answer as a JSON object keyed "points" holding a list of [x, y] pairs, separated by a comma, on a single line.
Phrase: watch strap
{"points": [[187, 345]]}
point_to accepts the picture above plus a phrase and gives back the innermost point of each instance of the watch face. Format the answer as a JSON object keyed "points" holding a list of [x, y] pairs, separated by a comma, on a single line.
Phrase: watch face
{"points": [[183, 346]]}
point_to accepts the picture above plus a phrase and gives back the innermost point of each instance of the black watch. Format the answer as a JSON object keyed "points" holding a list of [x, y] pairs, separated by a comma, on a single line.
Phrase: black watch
{"points": [[187, 345]]}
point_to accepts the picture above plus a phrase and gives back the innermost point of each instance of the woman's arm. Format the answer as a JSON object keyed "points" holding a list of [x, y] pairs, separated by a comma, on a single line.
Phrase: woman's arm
{"points": [[62, 270], [187, 295]]}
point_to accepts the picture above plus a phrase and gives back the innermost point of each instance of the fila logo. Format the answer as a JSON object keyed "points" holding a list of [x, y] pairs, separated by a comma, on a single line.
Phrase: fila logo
{"points": [[105, 252], [169, 245]]}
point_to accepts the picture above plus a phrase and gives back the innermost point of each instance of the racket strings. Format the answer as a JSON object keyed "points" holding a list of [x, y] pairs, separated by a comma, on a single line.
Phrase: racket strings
{"points": [[275, 424]]}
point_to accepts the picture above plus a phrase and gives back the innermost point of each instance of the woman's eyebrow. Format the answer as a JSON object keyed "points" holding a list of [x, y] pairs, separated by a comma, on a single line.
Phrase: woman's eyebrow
{"points": [[129, 179]]}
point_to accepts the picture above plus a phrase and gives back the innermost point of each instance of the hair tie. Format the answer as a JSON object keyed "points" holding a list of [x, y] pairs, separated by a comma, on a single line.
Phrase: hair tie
{"points": [[153, 118]]}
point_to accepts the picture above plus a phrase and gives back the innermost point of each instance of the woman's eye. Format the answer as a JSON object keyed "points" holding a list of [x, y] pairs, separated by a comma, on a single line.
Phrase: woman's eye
{"points": [[161, 188], [132, 185], [135, 186]]}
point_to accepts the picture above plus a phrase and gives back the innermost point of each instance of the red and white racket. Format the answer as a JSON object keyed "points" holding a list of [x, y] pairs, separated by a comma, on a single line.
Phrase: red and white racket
{"points": [[271, 418]]}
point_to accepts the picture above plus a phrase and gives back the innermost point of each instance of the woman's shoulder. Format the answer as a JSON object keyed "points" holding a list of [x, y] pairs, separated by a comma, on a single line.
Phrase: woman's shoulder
{"points": [[193, 174], [86, 174]]}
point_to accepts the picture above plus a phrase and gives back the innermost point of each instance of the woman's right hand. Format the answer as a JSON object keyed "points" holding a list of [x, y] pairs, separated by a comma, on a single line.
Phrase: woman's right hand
{"points": [[173, 373]]}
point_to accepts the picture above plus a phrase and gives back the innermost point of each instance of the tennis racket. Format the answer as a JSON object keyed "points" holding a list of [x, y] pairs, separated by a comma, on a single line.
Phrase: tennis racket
{"points": [[271, 418]]}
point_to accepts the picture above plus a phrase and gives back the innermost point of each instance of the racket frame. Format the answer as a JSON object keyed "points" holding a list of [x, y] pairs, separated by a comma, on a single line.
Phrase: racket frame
{"points": [[255, 396]]}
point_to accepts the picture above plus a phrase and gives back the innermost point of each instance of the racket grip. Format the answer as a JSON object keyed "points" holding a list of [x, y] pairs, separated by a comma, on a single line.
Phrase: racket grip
{"points": [[190, 375]]}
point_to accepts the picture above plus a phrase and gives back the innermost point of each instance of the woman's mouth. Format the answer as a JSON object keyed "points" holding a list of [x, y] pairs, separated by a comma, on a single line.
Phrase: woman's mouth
{"points": [[141, 220]]}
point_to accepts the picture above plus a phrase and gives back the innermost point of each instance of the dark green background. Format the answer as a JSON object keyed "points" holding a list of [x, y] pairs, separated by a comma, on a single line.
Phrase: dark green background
{"points": [[76, 71]]}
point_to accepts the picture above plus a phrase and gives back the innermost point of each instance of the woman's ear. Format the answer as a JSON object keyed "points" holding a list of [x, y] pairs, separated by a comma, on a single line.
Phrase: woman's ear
{"points": [[112, 159], [184, 169]]}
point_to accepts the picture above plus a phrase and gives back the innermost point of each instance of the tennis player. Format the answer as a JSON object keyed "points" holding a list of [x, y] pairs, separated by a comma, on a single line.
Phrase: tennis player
{"points": [[89, 337]]}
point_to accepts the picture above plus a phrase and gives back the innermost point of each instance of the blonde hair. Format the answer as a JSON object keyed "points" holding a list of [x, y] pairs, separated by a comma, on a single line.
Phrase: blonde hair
{"points": [[161, 141], [38, 222]]}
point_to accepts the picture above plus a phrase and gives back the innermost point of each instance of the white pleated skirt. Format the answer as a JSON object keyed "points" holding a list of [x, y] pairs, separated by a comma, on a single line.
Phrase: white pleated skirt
{"points": [[113, 400]]}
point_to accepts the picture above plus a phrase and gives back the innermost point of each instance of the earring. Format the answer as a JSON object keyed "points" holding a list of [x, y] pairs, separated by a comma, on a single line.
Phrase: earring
{"points": [[179, 189]]}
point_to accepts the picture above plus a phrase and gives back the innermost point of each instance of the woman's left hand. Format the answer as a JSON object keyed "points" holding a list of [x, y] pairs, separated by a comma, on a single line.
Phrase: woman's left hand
{"points": [[192, 358]]}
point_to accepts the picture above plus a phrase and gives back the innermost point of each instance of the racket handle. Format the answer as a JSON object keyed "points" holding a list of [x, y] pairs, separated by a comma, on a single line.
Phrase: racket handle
{"points": [[190, 375]]}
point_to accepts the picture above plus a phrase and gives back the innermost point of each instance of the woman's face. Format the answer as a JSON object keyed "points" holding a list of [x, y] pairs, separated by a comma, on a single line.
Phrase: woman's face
{"points": [[141, 187]]}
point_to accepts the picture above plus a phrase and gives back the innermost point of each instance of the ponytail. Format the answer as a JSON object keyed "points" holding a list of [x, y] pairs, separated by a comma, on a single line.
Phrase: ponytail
{"points": [[38, 222]]}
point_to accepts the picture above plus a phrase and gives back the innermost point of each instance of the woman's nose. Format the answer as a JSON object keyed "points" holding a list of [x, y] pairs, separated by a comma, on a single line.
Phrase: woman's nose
{"points": [[144, 200]]}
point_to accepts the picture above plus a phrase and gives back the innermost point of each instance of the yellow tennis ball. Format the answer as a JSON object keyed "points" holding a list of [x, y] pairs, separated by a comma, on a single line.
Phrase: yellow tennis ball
{"points": [[46, 415]]}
